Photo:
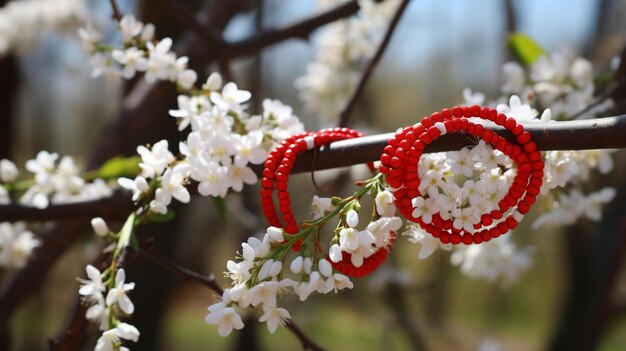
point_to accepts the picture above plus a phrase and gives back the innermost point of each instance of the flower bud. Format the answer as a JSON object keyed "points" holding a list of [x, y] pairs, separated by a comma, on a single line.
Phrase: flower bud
{"points": [[352, 218], [100, 226], [8, 171], [276, 268], [325, 268], [296, 265], [275, 234], [335, 253]]}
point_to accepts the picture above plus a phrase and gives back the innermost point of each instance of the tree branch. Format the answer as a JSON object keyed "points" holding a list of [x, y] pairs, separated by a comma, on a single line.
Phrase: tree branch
{"points": [[599, 133], [116, 15], [371, 66], [301, 29]]}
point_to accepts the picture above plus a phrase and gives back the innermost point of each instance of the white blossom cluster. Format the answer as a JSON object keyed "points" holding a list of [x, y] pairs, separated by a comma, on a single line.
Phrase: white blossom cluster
{"points": [[23, 22], [108, 301], [257, 280], [341, 50], [54, 182], [560, 85], [16, 244], [140, 54], [496, 260], [259, 276], [462, 185], [223, 142], [561, 82], [361, 244]]}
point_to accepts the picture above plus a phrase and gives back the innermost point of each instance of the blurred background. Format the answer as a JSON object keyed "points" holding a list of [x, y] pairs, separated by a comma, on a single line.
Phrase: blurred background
{"points": [[50, 102]]}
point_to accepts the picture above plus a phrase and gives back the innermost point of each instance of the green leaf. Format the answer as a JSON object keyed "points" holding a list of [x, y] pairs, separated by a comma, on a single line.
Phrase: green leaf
{"points": [[160, 218], [119, 166], [221, 207], [125, 235], [525, 50]]}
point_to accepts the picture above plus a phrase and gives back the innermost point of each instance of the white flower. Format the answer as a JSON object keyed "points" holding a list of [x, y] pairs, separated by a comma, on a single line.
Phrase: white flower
{"points": [[240, 176], [515, 109], [130, 27], [465, 218], [230, 98], [138, 186], [189, 110], [8, 171], [320, 206], [473, 98], [226, 318], [249, 149], [384, 203], [132, 59], [274, 316], [98, 311], [213, 178], [16, 244], [214, 82], [173, 185], [424, 208], [348, 239], [155, 159], [110, 339], [513, 75], [429, 243], [118, 293], [94, 285], [337, 282]]}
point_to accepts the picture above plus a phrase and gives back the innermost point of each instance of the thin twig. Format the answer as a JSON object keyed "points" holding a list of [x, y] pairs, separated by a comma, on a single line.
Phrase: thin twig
{"points": [[301, 29], [601, 98], [371, 66], [116, 15], [307, 343], [209, 282], [180, 271]]}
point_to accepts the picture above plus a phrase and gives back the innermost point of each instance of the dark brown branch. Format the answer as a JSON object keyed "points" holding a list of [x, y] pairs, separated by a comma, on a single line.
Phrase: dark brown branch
{"points": [[599, 133], [371, 66], [117, 206], [301, 29], [183, 16], [116, 15]]}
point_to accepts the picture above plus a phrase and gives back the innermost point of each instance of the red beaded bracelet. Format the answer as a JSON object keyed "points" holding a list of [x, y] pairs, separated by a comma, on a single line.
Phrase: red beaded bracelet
{"points": [[276, 175], [400, 158]]}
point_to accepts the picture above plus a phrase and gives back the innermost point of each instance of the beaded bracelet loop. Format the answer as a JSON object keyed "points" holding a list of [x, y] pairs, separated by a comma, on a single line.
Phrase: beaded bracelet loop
{"points": [[276, 175], [400, 159]]}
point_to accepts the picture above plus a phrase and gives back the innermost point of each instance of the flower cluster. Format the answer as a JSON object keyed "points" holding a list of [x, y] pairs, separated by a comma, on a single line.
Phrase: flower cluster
{"points": [[106, 295], [260, 275], [16, 244], [54, 182], [140, 54], [224, 139], [22, 23], [340, 52], [496, 260], [561, 82], [462, 185]]}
